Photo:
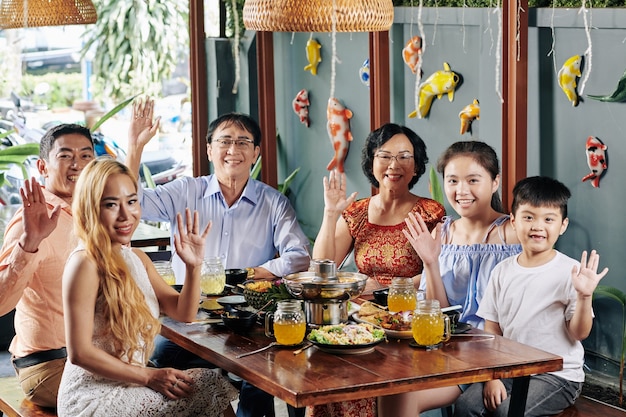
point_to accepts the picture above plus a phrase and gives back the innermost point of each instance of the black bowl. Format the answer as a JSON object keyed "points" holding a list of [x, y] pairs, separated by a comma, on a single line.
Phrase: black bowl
{"points": [[380, 296], [236, 276], [177, 287], [239, 321]]}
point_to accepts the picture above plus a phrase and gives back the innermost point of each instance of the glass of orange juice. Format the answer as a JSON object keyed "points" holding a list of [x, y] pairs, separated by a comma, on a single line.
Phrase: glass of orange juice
{"points": [[287, 324], [164, 268], [430, 327], [402, 295]]}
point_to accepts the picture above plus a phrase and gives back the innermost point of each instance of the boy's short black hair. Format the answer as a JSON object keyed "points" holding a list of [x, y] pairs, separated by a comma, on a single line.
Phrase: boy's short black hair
{"points": [[541, 191]]}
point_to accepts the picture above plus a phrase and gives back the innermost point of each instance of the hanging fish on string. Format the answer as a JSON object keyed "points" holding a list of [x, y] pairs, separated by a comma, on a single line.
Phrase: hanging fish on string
{"points": [[339, 132], [411, 53], [439, 83], [313, 55], [468, 115], [301, 105], [596, 159], [618, 96], [567, 78], [364, 72]]}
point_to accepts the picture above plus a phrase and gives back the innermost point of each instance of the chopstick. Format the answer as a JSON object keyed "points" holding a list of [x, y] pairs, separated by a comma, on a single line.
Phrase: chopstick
{"points": [[486, 336], [302, 349], [372, 303]]}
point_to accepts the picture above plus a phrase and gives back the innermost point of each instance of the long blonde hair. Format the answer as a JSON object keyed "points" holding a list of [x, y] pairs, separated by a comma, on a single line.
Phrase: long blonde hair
{"points": [[131, 324]]}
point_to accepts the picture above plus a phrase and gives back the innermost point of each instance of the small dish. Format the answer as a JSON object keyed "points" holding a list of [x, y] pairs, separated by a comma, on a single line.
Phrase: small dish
{"points": [[232, 301], [461, 327]]}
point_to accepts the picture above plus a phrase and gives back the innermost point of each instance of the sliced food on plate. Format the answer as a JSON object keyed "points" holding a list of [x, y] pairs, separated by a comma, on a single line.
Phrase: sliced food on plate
{"points": [[347, 334]]}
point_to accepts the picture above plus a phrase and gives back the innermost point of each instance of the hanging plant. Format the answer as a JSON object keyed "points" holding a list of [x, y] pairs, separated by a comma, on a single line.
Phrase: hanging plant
{"points": [[136, 44], [230, 18]]}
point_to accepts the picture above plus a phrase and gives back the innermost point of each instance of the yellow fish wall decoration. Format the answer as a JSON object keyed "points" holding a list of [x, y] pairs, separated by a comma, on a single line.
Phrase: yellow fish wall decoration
{"points": [[468, 114], [313, 55], [439, 83], [567, 77]]}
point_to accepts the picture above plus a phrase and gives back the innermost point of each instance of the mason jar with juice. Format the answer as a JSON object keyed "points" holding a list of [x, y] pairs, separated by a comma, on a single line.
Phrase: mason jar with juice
{"points": [[402, 295], [164, 268], [287, 324], [430, 326], [213, 276]]}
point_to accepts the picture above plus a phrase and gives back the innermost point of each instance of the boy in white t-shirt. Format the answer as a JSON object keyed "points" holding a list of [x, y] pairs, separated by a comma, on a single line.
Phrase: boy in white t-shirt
{"points": [[542, 298]]}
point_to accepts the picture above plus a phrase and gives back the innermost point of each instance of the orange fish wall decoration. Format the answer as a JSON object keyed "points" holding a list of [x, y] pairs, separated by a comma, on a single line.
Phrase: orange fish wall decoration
{"points": [[301, 105], [411, 52], [339, 132], [596, 159], [468, 114]]}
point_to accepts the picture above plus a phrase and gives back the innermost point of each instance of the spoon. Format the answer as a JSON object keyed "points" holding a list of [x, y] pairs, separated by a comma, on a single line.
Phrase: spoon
{"points": [[257, 351]]}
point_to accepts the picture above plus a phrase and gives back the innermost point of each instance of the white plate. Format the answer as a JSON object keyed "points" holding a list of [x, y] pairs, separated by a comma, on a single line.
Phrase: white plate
{"points": [[396, 334], [347, 349], [232, 300]]}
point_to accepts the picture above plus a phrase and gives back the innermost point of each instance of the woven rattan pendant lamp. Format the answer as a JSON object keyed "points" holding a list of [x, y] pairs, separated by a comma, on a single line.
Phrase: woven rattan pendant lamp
{"points": [[317, 15], [28, 13]]}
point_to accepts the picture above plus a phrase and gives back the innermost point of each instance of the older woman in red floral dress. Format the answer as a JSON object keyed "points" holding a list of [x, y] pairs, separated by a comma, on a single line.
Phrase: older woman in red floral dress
{"points": [[394, 158]]}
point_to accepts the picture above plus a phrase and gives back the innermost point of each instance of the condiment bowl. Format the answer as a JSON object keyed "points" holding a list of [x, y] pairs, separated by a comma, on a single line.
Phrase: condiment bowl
{"points": [[239, 321], [236, 276]]}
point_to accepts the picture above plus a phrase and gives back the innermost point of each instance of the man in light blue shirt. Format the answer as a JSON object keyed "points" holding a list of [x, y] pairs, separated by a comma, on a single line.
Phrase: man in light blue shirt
{"points": [[254, 225]]}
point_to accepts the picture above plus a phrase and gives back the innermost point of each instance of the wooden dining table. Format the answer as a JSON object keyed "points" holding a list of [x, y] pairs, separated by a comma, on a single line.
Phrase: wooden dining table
{"points": [[316, 377]]}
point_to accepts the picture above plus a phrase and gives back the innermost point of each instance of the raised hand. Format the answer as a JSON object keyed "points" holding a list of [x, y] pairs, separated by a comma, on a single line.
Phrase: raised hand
{"points": [[189, 243], [585, 278], [38, 225], [427, 247], [143, 126], [335, 192]]}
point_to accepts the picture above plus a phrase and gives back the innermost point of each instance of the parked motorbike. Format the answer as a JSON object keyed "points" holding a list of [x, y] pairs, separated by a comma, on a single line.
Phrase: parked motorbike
{"points": [[14, 130]]}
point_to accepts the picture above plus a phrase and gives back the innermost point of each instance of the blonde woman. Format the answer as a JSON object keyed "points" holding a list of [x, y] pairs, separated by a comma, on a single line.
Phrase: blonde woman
{"points": [[112, 297]]}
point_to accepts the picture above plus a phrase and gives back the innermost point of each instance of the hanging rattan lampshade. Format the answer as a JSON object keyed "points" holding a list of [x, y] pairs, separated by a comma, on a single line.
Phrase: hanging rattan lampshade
{"points": [[317, 15], [27, 13]]}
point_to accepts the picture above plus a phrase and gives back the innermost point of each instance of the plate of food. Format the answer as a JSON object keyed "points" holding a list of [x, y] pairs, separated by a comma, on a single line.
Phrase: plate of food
{"points": [[347, 338], [395, 325]]}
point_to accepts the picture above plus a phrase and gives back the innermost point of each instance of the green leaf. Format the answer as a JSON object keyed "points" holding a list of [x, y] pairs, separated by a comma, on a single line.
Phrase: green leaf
{"points": [[285, 185], [435, 186], [147, 175], [611, 292], [27, 149], [7, 133], [256, 169], [112, 112]]}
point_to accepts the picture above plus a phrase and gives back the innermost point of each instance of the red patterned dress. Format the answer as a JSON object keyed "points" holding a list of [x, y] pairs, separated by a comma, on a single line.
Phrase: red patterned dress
{"points": [[381, 252]]}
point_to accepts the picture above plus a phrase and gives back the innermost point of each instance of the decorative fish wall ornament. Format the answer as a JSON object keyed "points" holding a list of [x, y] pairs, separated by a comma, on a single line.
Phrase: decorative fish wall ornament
{"points": [[313, 55], [301, 105], [618, 96], [468, 114], [364, 72], [596, 159], [339, 132], [567, 77], [439, 83], [411, 52]]}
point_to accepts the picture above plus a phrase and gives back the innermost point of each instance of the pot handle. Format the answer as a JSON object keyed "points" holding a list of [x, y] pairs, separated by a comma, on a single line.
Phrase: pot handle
{"points": [[295, 288]]}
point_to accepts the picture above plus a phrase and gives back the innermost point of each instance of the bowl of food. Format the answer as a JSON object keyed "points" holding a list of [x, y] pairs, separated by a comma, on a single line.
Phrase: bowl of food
{"points": [[239, 321], [236, 276]]}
